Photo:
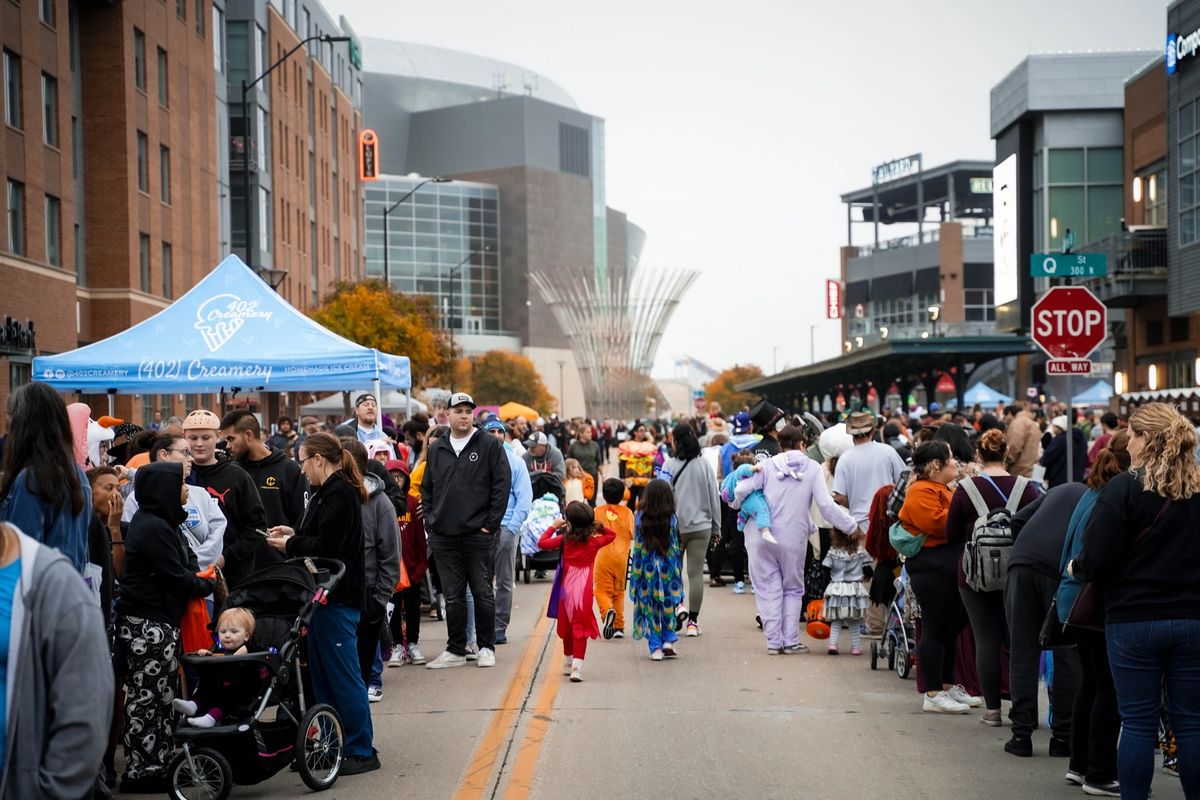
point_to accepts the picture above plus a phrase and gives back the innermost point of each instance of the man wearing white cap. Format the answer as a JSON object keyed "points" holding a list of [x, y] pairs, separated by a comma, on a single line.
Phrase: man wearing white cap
{"points": [[1054, 459], [464, 496]]}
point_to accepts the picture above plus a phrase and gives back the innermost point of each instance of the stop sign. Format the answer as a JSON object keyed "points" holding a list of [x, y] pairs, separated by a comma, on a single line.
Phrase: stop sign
{"points": [[1069, 322]]}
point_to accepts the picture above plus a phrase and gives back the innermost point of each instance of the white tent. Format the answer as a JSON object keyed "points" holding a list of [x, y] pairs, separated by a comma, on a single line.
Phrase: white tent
{"points": [[391, 401]]}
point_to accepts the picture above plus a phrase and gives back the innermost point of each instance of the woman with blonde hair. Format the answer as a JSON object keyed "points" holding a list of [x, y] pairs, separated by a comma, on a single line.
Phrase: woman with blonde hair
{"points": [[1140, 549]]}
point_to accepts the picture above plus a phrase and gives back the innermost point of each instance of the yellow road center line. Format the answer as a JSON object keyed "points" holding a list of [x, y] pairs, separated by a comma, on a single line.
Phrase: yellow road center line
{"points": [[521, 779], [476, 782]]}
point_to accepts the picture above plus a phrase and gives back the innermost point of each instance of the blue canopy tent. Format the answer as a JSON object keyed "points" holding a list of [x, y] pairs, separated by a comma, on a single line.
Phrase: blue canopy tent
{"points": [[1098, 395], [981, 394], [231, 331]]}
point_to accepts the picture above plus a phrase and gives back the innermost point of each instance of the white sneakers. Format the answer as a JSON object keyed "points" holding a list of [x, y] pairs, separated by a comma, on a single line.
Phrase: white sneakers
{"points": [[414, 654], [693, 629], [486, 657], [374, 694], [656, 655], [447, 659], [398, 656], [959, 695], [942, 703], [576, 670]]}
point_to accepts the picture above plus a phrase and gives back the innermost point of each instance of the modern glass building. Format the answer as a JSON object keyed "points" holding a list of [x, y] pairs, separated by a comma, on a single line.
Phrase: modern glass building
{"points": [[444, 241]]}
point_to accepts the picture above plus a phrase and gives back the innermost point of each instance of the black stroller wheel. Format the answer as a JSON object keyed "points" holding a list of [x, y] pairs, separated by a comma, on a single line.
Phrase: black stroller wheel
{"points": [[526, 571], [903, 667], [200, 774], [320, 746], [892, 657], [874, 655]]}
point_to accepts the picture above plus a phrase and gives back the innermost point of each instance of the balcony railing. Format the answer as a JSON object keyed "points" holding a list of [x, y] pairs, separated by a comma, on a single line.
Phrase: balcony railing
{"points": [[926, 237], [1132, 251]]}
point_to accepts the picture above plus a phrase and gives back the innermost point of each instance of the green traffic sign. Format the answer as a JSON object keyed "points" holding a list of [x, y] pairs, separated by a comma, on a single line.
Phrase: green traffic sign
{"points": [[1068, 265]]}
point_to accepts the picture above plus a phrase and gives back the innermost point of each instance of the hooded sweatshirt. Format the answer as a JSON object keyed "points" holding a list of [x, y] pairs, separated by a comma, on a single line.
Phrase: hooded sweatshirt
{"points": [[381, 546], [238, 499], [204, 528], [281, 488], [160, 569], [52, 524], [59, 693], [333, 528], [697, 504]]}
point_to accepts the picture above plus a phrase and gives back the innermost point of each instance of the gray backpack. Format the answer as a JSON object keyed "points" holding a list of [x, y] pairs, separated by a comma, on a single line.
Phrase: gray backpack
{"points": [[985, 558]]}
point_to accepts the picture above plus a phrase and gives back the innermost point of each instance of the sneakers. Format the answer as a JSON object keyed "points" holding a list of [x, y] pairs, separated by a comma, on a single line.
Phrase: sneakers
{"points": [[374, 694], [1074, 778], [856, 651], [739, 587], [447, 659], [610, 619], [1060, 748], [942, 703], [693, 629], [576, 670], [795, 649], [656, 655], [357, 765], [472, 652], [774, 651], [487, 657], [501, 637], [618, 634], [833, 651], [991, 719], [1108, 789], [758, 621], [414, 654], [959, 695], [668, 650], [1021, 747], [398, 656], [681, 615]]}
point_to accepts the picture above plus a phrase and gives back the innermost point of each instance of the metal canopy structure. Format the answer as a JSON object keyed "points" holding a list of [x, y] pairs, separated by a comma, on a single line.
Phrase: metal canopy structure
{"points": [[905, 362]]}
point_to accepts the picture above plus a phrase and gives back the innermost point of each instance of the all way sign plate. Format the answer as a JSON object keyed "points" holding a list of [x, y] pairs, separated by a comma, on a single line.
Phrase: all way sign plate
{"points": [[1068, 366]]}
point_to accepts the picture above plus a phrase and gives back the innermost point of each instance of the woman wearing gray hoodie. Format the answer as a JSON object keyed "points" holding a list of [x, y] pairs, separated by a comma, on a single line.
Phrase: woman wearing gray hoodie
{"points": [[698, 509]]}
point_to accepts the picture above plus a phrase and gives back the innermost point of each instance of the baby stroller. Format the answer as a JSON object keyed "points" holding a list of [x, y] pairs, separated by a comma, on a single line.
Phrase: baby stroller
{"points": [[899, 641], [530, 558], [245, 748]]}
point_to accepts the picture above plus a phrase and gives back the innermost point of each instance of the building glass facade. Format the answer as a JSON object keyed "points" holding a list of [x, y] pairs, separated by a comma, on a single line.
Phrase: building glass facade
{"points": [[438, 228]]}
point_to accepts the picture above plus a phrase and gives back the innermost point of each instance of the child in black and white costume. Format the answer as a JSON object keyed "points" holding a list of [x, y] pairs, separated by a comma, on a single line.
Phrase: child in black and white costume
{"points": [[846, 598]]}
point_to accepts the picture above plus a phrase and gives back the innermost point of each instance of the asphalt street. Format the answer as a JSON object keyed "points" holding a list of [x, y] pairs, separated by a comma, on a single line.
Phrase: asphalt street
{"points": [[723, 720]]}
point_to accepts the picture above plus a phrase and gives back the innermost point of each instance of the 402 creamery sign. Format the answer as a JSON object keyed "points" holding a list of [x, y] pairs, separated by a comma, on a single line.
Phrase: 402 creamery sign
{"points": [[1181, 47]]}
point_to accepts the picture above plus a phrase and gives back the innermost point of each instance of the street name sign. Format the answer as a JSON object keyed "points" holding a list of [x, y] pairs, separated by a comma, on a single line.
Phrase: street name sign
{"points": [[1068, 265]]}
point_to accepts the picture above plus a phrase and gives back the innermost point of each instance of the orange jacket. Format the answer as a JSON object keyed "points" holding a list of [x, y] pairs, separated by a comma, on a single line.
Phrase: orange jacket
{"points": [[925, 507]]}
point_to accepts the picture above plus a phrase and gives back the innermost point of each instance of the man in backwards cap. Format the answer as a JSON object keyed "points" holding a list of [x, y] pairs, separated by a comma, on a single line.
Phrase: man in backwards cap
{"points": [[366, 419]]}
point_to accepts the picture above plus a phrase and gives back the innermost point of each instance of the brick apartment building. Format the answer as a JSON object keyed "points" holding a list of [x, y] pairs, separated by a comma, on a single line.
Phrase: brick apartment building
{"points": [[116, 160]]}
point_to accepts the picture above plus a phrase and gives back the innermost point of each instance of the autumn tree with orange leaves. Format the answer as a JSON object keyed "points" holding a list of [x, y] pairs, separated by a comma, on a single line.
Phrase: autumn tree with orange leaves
{"points": [[722, 388], [373, 315]]}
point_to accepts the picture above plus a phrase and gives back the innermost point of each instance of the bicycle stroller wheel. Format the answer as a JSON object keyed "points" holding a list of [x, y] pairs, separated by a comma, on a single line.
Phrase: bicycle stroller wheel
{"points": [[200, 774], [320, 746]]}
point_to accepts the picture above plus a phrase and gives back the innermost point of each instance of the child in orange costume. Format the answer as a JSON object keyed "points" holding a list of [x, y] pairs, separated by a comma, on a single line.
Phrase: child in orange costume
{"points": [[580, 539], [613, 561]]}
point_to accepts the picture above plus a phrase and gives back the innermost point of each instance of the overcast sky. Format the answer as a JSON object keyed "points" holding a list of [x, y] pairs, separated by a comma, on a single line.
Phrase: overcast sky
{"points": [[732, 128]]}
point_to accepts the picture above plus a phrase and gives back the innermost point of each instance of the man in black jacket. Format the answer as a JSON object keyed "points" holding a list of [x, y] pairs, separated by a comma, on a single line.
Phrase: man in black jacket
{"points": [[464, 496], [235, 492], [281, 487]]}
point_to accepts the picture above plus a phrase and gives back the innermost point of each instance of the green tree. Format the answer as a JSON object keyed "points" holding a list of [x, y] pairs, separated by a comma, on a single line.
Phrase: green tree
{"points": [[498, 377], [722, 388], [373, 315]]}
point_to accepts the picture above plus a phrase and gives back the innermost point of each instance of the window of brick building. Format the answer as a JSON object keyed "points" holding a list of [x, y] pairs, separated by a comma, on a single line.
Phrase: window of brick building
{"points": [[181, 9], [53, 231], [164, 173], [15, 215], [1154, 333], [46, 11], [12, 89], [144, 262], [164, 87], [143, 165], [199, 16], [1180, 329], [166, 270], [139, 59], [218, 28], [49, 110]]}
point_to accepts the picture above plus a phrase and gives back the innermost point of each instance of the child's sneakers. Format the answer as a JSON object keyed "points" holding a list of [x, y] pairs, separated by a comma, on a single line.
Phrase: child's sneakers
{"points": [[619, 634], [768, 536], [681, 615], [693, 628], [656, 655], [856, 651], [567, 665], [833, 650], [739, 587], [668, 649], [610, 618], [576, 670]]}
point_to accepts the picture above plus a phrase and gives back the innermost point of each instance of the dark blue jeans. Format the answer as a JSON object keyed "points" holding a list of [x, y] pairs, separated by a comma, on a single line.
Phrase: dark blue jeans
{"points": [[1143, 655], [336, 677]]}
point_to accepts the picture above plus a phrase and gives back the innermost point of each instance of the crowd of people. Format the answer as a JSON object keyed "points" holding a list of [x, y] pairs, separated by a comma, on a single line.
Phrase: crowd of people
{"points": [[114, 540]]}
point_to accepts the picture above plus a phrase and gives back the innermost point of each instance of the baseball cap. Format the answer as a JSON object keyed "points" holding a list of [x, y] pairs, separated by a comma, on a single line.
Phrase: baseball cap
{"points": [[494, 424], [396, 465], [362, 398], [537, 439], [741, 422], [461, 399], [202, 420]]}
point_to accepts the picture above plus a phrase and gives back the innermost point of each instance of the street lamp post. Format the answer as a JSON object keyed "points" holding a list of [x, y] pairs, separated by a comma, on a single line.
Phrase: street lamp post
{"points": [[387, 276], [450, 319], [247, 140], [562, 403]]}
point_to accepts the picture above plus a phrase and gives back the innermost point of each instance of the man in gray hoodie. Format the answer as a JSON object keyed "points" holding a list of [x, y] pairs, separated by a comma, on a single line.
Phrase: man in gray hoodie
{"points": [[59, 691]]}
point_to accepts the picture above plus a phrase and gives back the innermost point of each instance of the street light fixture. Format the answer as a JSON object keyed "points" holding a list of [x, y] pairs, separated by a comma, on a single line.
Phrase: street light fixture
{"points": [[247, 140], [450, 319], [935, 313], [883, 332], [387, 277]]}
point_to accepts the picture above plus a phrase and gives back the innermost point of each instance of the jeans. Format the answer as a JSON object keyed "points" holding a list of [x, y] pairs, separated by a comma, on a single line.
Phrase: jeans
{"points": [[1027, 597], [466, 560], [505, 569], [1143, 655], [336, 678], [656, 642]]}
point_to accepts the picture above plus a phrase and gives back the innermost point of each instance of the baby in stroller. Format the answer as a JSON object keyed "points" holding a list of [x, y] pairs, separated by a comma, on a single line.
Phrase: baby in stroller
{"points": [[209, 703]]}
